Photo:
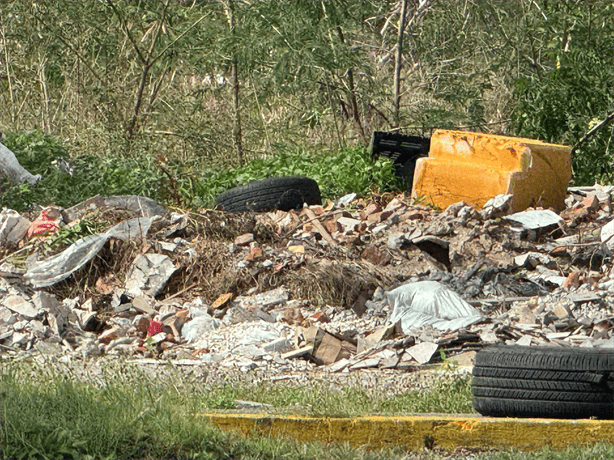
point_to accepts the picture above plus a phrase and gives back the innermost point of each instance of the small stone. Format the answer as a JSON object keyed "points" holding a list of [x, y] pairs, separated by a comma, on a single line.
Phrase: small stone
{"points": [[423, 352], [348, 224], [149, 274], [591, 202], [560, 311], [21, 306], [253, 254], [244, 240], [536, 219]]}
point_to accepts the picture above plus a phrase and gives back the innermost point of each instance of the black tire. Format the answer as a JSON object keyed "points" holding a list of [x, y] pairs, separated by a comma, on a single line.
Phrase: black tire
{"points": [[284, 193], [516, 381]]}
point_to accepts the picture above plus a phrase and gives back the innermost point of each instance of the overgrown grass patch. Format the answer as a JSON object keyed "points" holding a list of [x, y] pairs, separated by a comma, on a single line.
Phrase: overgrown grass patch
{"points": [[51, 410]]}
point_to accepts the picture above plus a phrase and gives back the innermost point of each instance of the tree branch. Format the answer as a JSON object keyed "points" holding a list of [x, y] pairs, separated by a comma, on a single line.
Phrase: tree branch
{"points": [[609, 117]]}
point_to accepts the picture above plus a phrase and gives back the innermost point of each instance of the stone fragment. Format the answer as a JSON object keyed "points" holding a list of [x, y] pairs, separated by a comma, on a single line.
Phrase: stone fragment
{"points": [[149, 274], [423, 352], [536, 219], [339, 365], [525, 340], [396, 240], [345, 200], [7, 317], [607, 231], [583, 297], [525, 261], [253, 254], [393, 205], [143, 303], [365, 364], [348, 224], [13, 227], [370, 209], [591, 202], [21, 306], [198, 326], [560, 311], [244, 240]]}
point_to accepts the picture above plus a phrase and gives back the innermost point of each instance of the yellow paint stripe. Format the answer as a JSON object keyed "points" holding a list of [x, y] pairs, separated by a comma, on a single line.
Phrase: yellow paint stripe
{"points": [[448, 432]]}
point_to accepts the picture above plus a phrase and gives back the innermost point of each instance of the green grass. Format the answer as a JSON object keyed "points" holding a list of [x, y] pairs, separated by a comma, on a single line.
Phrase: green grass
{"points": [[53, 411], [192, 183]]}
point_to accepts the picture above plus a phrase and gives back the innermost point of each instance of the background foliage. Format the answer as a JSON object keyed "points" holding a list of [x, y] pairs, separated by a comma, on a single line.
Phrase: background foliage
{"points": [[146, 97]]}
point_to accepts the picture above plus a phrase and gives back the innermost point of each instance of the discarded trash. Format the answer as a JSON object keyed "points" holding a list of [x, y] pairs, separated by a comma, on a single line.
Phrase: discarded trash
{"points": [[472, 167], [59, 267], [47, 222], [10, 166], [429, 303], [140, 205]]}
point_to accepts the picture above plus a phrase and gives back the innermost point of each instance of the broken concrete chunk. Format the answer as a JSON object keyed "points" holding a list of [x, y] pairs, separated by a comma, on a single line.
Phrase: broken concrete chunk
{"points": [[198, 326], [543, 219], [149, 274], [13, 228], [21, 306], [607, 231], [498, 206], [423, 352]]}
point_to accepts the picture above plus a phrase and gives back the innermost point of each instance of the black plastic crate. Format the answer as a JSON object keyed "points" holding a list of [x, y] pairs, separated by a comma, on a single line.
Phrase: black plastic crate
{"points": [[403, 150]]}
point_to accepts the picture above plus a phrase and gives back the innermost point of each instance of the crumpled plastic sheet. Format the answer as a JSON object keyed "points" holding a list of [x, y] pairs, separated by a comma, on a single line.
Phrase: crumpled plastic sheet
{"points": [[10, 166], [429, 303], [56, 268]]}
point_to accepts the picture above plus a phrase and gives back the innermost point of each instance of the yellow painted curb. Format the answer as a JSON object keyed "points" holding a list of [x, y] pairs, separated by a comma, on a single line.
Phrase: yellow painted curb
{"points": [[416, 432], [474, 167]]}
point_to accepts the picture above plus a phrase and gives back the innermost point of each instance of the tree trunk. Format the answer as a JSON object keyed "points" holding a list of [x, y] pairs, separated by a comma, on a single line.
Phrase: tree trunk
{"points": [[236, 129], [352, 94], [398, 65]]}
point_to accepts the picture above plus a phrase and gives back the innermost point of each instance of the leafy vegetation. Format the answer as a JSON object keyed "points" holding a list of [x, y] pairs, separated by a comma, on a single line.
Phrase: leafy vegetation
{"points": [[184, 184], [210, 86]]}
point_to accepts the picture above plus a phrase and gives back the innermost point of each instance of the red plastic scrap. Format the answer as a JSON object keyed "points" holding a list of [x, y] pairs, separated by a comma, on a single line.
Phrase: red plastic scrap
{"points": [[42, 224], [154, 328]]}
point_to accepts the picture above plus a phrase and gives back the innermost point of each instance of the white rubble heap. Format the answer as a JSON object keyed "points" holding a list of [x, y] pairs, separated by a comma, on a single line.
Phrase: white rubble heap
{"points": [[456, 281]]}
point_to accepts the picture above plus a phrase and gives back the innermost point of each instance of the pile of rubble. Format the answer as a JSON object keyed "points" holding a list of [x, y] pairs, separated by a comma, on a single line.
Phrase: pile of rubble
{"points": [[381, 282]]}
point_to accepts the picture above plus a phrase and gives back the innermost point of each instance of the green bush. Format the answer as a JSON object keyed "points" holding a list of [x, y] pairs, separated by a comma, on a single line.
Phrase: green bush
{"points": [[188, 184], [351, 170], [114, 174], [565, 104]]}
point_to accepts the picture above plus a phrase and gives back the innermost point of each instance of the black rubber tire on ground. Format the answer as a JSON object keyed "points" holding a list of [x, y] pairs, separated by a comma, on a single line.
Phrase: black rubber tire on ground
{"points": [[548, 382], [284, 193]]}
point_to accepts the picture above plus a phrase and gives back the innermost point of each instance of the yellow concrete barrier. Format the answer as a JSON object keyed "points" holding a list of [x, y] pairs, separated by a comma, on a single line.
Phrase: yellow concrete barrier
{"points": [[474, 167], [417, 432]]}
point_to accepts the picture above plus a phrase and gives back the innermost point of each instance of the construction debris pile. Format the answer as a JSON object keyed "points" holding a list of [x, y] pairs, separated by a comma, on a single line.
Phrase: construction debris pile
{"points": [[383, 282]]}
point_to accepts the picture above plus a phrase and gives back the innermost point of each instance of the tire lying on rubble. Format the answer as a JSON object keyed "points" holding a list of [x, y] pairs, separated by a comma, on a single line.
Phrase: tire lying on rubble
{"points": [[284, 193], [545, 382]]}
